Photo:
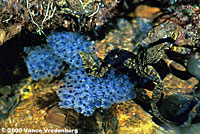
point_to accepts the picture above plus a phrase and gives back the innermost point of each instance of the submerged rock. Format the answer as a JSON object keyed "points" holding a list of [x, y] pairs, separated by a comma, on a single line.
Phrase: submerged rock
{"points": [[176, 107], [129, 118], [194, 64]]}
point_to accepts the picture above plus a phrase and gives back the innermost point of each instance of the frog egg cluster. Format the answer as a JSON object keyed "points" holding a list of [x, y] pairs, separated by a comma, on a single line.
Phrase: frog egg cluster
{"points": [[194, 64], [43, 63], [86, 93], [81, 92], [67, 46], [62, 47]]}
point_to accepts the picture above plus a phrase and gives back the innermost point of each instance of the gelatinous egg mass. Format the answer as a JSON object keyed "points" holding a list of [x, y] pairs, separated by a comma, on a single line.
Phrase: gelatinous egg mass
{"points": [[194, 64]]}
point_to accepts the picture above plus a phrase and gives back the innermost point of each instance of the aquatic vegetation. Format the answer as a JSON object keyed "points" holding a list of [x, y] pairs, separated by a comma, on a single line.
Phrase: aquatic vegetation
{"points": [[90, 13], [106, 12], [30, 15], [190, 18], [86, 93], [194, 64], [80, 8]]}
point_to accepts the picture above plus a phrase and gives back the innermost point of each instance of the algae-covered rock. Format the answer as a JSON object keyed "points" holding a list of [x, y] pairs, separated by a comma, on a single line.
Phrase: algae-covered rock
{"points": [[130, 118]]}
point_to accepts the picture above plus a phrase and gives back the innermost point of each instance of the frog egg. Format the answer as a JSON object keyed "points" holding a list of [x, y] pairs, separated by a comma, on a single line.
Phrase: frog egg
{"points": [[194, 64]]}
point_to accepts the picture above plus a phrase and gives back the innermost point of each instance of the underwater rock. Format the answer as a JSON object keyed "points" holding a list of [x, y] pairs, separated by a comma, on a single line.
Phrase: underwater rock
{"points": [[194, 64], [86, 93], [130, 118], [26, 115], [120, 37], [174, 84], [176, 107], [124, 36], [35, 103], [179, 99], [144, 11]]}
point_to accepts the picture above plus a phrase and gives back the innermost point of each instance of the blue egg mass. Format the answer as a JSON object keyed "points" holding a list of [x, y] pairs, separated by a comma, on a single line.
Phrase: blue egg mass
{"points": [[43, 63], [66, 45], [80, 91], [86, 93], [194, 64], [62, 47]]}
